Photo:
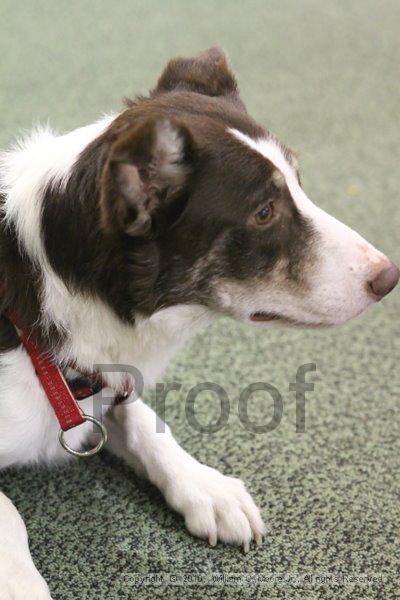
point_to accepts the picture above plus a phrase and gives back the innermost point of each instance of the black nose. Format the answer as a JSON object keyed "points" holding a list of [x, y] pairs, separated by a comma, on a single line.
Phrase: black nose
{"points": [[385, 281]]}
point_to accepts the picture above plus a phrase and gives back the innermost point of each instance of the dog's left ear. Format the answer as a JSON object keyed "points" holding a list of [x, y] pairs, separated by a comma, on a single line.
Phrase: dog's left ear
{"points": [[145, 169]]}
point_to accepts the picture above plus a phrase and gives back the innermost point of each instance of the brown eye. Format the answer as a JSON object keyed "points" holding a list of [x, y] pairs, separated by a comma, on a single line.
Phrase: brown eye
{"points": [[264, 215]]}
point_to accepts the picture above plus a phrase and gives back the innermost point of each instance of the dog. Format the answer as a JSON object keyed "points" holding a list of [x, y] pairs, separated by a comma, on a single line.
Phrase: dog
{"points": [[119, 240]]}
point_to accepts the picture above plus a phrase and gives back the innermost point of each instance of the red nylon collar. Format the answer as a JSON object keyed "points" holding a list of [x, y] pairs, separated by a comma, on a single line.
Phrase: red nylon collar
{"points": [[62, 399], [66, 408]]}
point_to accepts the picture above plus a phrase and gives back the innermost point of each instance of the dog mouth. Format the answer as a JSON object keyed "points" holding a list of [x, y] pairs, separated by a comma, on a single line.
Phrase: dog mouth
{"points": [[267, 317], [263, 317]]}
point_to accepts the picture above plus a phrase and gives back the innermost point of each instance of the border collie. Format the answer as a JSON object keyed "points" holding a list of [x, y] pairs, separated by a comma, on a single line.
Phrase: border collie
{"points": [[119, 240]]}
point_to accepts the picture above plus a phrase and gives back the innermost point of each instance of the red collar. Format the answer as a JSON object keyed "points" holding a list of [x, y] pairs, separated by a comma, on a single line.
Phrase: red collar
{"points": [[65, 406], [62, 397]]}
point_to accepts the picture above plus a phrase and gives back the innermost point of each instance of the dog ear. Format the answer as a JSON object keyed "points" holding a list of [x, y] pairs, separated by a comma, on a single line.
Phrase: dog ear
{"points": [[208, 73], [149, 165]]}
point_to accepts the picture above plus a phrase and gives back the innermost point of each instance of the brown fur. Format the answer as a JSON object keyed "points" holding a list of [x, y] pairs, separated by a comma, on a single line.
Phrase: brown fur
{"points": [[142, 233]]}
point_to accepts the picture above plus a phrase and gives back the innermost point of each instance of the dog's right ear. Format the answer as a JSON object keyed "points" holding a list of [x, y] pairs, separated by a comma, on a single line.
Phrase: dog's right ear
{"points": [[207, 73], [148, 166]]}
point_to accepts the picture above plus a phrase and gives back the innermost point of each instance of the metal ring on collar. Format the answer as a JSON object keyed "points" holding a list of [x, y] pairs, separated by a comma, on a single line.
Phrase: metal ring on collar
{"points": [[92, 451]]}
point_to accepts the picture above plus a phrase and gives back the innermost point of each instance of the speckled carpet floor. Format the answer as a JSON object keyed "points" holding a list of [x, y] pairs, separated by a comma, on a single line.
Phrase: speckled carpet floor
{"points": [[324, 77]]}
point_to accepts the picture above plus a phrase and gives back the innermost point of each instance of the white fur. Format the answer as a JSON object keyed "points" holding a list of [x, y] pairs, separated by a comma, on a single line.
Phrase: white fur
{"points": [[97, 336], [214, 506], [94, 332], [346, 262], [36, 160], [28, 426], [19, 578]]}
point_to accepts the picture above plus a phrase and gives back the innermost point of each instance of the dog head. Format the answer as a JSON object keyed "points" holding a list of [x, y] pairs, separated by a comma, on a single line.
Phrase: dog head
{"points": [[220, 198]]}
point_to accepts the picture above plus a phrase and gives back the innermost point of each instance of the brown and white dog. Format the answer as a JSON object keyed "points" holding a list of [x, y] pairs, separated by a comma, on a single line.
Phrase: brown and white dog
{"points": [[120, 239]]}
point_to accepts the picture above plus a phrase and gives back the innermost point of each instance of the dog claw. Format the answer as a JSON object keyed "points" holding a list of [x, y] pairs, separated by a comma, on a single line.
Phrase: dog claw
{"points": [[212, 540], [258, 539], [246, 547]]}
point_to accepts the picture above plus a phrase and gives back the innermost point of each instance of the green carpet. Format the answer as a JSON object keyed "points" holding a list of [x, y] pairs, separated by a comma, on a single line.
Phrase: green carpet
{"points": [[324, 77]]}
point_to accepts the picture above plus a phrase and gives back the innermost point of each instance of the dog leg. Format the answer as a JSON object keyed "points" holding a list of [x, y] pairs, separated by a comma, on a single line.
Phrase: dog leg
{"points": [[19, 578], [214, 506]]}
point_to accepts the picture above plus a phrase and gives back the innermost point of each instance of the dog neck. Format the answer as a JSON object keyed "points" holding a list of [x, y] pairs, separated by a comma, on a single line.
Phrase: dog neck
{"points": [[87, 329]]}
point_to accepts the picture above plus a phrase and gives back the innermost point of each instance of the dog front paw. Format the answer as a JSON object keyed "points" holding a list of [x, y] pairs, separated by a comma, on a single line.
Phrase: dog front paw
{"points": [[216, 507]]}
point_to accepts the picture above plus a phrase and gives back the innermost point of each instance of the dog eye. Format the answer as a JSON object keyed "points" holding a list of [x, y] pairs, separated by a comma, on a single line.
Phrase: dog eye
{"points": [[264, 216]]}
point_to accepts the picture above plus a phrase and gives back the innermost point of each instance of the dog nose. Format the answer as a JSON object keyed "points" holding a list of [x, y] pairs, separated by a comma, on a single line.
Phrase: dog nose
{"points": [[385, 281]]}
